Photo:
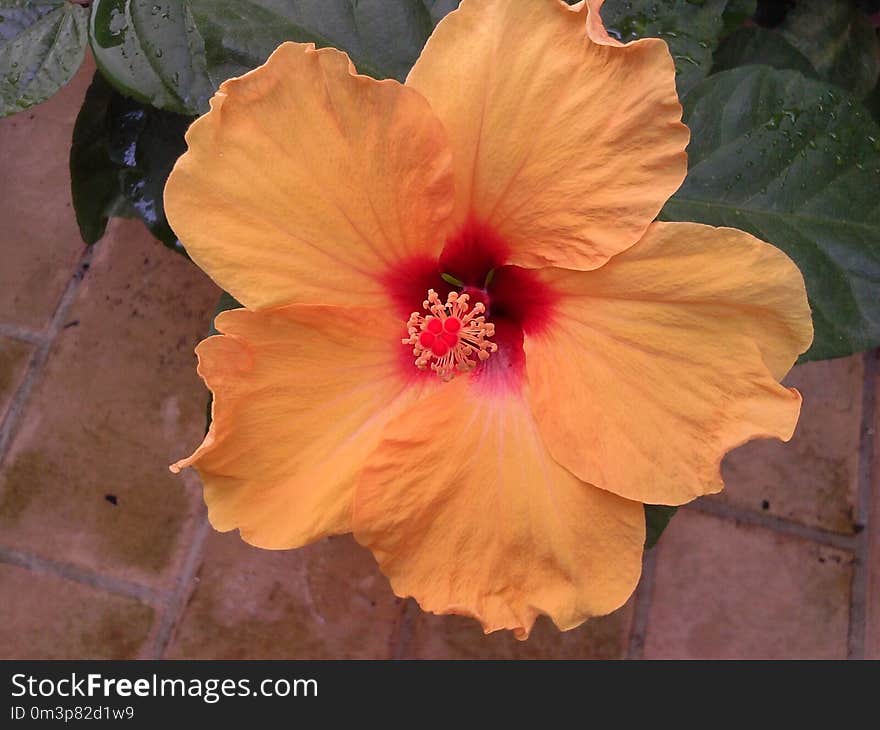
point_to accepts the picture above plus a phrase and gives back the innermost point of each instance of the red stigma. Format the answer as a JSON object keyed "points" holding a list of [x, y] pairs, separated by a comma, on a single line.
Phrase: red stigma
{"points": [[439, 348], [440, 337]]}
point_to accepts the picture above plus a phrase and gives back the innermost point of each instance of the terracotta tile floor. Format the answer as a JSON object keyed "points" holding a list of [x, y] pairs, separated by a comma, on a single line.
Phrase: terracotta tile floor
{"points": [[103, 553]]}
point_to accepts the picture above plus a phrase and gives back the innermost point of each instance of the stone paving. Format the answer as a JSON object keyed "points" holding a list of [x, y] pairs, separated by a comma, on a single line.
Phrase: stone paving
{"points": [[105, 554]]}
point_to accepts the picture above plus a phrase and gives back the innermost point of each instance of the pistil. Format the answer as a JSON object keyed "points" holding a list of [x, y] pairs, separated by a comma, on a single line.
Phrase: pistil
{"points": [[452, 337]]}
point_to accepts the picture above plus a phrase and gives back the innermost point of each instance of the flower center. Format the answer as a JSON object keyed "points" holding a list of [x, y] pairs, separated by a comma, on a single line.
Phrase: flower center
{"points": [[452, 337]]}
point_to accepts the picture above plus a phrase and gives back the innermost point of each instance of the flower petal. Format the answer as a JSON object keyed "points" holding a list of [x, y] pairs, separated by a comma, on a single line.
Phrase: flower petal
{"points": [[301, 395], [565, 146], [595, 26], [657, 364], [307, 183], [466, 511]]}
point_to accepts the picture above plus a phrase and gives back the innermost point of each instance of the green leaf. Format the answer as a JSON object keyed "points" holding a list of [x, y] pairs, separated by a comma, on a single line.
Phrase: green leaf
{"points": [[154, 141], [121, 156], [760, 46], [173, 54], [150, 50], [795, 162], [657, 517], [439, 9], [383, 37], [839, 41], [872, 102], [736, 14], [42, 43], [94, 177], [227, 301], [691, 29]]}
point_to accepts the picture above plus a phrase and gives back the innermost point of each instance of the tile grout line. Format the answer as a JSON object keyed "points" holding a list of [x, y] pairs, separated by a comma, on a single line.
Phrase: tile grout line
{"points": [[22, 334], [68, 571], [44, 341], [781, 525], [854, 543], [644, 594], [183, 586], [38, 360], [859, 591], [169, 604]]}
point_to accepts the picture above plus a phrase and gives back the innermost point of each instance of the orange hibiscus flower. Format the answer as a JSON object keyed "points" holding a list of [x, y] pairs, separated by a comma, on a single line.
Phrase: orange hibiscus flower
{"points": [[495, 214]]}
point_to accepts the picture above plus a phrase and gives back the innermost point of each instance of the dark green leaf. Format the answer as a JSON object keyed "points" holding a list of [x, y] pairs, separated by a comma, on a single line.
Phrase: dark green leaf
{"points": [[657, 518], [736, 14], [795, 162], [439, 9], [150, 50], [872, 102], [383, 37], [173, 53], [748, 46], [690, 28], [121, 156], [42, 43], [147, 156], [227, 301], [94, 177], [839, 41]]}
